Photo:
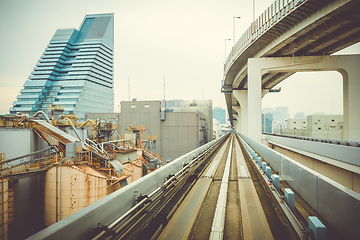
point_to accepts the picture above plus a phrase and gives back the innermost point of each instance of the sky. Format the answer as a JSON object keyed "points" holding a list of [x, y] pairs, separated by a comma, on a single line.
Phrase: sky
{"points": [[182, 42]]}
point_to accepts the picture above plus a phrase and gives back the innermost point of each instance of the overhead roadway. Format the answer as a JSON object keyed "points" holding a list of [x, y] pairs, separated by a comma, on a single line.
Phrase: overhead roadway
{"points": [[290, 28]]}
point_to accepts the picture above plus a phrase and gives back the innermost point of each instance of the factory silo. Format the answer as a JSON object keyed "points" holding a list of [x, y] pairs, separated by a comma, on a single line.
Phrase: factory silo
{"points": [[69, 188], [4, 208]]}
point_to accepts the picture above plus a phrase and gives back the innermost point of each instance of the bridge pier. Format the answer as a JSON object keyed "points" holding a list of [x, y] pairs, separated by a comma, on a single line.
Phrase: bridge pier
{"points": [[346, 65], [242, 110]]}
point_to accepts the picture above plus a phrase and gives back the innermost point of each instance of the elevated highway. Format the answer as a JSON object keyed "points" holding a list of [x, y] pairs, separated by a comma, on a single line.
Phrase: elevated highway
{"points": [[290, 31]]}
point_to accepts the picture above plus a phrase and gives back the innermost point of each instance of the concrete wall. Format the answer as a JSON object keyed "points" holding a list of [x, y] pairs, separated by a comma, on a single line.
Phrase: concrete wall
{"points": [[15, 142], [342, 176], [341, 153], [145, 113], [336, 135]]}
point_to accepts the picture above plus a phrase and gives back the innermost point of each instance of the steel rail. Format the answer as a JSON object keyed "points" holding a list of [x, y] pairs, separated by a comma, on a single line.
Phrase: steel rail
{"points": [[299, 229]]}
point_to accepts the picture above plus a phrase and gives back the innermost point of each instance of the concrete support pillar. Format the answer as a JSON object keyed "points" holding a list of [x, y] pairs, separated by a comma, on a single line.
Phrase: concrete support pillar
{"points": [[254, 99], [347, 65], [351, 99], [236, 114], [242, 123]]}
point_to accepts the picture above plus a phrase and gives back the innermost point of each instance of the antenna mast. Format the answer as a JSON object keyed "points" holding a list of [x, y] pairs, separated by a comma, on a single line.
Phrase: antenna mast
{"points": [[129, 87]]}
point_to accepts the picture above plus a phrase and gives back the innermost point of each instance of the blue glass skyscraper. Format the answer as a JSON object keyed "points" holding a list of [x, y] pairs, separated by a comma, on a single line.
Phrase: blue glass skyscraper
{"points": [[75, 71], [219, 114]]}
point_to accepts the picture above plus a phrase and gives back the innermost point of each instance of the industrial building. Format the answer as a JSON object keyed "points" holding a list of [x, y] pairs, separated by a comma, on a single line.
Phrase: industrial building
{"points": [[53, 168], [74, 72], [169, 131]]}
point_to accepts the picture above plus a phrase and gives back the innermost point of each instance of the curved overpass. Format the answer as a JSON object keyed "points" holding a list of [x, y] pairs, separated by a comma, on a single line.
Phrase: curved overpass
{"points": [[289, 28]]}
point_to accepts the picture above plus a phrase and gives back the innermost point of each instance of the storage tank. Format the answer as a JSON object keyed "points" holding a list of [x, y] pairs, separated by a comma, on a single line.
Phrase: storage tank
{"points": [[3, 208], [11, 204], [69, 188]]}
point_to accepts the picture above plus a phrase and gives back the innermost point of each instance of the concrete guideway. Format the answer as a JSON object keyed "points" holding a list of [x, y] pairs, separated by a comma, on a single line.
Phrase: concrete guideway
{"points": [[255, 226], [181, 224], [225, 205]]}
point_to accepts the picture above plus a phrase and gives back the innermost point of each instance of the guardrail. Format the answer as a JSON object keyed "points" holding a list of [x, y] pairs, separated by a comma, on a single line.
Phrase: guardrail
{"points": [[340, 152], [271, 16], [323, 140], [338, 205]]}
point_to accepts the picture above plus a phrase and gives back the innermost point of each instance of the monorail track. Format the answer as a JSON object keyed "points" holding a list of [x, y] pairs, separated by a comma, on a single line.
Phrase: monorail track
{"points": [[218, 195]]}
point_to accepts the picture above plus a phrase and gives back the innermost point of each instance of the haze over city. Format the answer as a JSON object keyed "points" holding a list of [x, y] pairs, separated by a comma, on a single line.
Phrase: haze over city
{"points": [[182, 42]]}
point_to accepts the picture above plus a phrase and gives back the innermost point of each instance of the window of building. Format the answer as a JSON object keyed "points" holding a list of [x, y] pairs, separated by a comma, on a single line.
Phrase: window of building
{"points": [[133, 106], [318, 120], [294, 127], [332, 120], [319, 128], [146, 106]]}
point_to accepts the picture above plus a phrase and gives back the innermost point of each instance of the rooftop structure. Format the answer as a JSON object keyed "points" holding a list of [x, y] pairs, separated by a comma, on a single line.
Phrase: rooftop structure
{"points": [[75, 71]]}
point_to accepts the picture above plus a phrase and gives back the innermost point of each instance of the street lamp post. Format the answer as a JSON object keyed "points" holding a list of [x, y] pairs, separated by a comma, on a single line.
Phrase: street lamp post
{"points": [[253, 10], [227, 39], [234, 29]]}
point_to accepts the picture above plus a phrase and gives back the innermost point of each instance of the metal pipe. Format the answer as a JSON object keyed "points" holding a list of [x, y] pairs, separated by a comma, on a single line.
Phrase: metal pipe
{"points": [[44, 115], [74, 129]]}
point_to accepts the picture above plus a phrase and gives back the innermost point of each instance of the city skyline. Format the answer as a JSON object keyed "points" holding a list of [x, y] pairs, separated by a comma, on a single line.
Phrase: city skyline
{"points": [[155, 42]]}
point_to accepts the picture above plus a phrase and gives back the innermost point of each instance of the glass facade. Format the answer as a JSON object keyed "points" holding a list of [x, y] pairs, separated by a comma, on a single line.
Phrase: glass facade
{"points": [[220, 115], [75, 72]]}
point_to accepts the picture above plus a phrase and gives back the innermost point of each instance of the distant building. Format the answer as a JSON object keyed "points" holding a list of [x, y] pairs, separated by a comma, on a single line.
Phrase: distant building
{"points": [[294, 123], [284, 113], [316, 126], [279, 116], [219, 114], [299, 115], [203, 106], [216, 128], [178, 130], [75, 72], [267, 122]]}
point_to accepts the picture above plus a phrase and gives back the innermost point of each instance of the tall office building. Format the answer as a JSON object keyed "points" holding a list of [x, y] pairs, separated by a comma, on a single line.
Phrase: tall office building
{"points": [[267, 121], [219, 114], [75, 72]]}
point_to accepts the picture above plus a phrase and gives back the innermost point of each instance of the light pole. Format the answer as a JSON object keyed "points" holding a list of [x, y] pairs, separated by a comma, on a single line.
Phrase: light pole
{"points": [[253, 10], [234, 28], [226, 39]]}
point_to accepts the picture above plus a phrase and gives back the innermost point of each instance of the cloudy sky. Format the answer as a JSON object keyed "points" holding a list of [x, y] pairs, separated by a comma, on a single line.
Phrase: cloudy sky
{"points": [[181, 41]]}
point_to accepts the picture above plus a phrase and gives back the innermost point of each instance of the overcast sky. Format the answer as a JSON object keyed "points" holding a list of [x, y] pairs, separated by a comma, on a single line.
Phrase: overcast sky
{"points": [[183, 41]]}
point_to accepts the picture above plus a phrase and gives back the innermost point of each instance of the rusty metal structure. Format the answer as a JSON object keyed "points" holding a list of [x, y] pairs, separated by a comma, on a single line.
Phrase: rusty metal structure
{"points": [[81, 162]]}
